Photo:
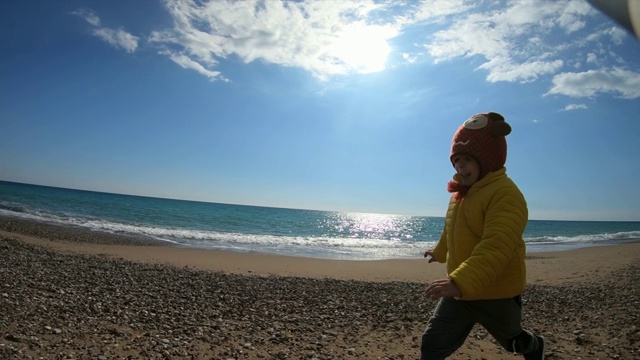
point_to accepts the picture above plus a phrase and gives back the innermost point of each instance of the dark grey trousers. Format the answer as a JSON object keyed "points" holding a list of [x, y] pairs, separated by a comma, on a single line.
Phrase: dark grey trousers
{"points": [[453, 320]]}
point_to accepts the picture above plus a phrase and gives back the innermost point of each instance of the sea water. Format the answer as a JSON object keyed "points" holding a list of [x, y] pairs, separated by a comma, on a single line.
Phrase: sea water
{"points": [[307, 233]]}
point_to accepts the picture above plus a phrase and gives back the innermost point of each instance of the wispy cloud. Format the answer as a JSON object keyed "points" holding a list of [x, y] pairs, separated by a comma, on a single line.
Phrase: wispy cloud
{"points": [[117, 38], [620, 82], [575, 107], [513, 41], [89, 16], [324, 38], [526, 41], [438, 11], [187, 63]]}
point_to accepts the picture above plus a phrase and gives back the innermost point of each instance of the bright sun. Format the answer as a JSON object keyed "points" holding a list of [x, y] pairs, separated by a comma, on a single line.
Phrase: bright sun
{"points": [[363, 48]]}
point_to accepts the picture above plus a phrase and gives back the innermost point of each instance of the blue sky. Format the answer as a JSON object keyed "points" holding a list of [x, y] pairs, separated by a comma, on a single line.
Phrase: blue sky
{"points": [[330, 105]]}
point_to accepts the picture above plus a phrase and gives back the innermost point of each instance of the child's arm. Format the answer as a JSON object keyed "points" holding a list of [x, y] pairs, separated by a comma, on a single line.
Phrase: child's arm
{"points": [[429, 256], [443, 288], [439, 253]]}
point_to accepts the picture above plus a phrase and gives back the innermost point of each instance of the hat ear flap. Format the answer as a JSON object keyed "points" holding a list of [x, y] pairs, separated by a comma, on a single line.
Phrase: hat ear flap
{"points": [[500, 127], [495, 116]]}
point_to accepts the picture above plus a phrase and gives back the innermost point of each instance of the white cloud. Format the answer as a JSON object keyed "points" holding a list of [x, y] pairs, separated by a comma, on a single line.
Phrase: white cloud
{"points": [[616, 34], [511, 38], [525, 41], [436, 10], [117, 38], [523, 72], [88, 16], [409, 58], [323, 37], [575, 107], [620, 82], [186, 63]]}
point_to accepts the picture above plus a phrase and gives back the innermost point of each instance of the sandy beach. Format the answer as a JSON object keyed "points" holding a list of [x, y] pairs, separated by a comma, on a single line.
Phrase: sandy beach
{"points": [[69, 293]]}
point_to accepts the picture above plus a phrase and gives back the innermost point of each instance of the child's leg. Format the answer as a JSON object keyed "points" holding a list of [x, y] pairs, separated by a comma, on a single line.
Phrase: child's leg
{"points": [[503, 320], [447, 330]]}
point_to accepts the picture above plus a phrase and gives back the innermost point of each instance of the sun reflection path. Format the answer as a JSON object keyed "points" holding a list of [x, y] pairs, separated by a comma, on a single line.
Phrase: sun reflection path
{"points": [[371, 226]]}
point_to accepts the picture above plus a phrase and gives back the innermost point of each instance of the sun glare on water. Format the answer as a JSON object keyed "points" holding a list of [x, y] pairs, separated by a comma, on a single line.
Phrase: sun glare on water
{"points": [[371, 226]]}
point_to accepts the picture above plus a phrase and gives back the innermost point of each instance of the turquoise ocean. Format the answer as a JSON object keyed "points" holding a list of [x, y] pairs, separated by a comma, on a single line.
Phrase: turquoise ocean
{"points": [[306, 233]]}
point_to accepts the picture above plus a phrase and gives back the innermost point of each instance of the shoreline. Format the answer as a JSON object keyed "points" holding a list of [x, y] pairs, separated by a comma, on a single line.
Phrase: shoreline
{"points": [[74, 293], [543, 268]]}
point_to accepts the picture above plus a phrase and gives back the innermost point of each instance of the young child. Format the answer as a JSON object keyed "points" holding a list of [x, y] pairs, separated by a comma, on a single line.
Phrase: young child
{"points": [[482, 246]]}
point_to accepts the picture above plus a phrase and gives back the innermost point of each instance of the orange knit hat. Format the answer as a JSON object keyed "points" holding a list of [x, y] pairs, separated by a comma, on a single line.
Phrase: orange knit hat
{"points": [[482, 137]]}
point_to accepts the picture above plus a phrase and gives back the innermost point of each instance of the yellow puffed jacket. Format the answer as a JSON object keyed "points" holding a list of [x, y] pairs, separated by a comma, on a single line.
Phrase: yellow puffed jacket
{"points": [[482, 239]]}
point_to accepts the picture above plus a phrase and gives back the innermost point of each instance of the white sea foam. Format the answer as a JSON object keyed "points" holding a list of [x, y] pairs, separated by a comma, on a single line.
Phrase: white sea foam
{"points": [[629, 235], [330, 235], [323, 247]]}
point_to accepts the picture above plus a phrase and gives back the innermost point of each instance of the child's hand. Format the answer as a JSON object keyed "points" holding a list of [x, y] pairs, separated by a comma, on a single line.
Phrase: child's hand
{"points": [[443, 288], [429, 256]]}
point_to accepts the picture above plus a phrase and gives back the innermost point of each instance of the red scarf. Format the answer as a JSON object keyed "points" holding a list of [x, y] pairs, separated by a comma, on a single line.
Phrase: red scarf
{"points": [[458, 189]]}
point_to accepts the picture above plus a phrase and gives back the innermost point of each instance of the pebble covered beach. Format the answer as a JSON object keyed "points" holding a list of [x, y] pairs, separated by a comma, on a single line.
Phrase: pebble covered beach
{"points": [[58, 304]]}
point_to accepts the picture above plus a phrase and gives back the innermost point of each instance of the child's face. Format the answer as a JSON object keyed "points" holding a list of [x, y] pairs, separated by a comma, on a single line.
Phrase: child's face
{"points": [[467, 167]]}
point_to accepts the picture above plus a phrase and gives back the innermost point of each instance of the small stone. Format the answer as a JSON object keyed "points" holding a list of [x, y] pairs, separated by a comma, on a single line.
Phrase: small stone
{"points": [[11, 337]]}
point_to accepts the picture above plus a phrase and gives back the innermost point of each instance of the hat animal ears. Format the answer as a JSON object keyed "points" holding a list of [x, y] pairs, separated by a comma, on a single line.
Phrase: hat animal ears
{"points": [[500, 126], [482, 137]]}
